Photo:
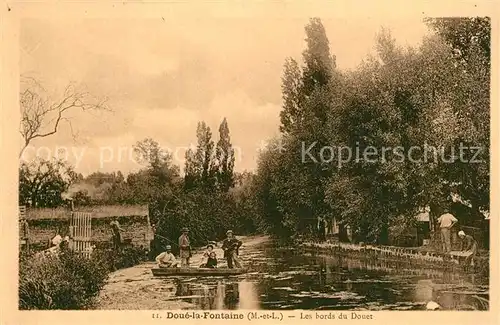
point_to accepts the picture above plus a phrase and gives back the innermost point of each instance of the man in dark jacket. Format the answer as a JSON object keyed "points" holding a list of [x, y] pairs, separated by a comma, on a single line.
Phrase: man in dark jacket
{"points": [[231, 246], [117, 233]]}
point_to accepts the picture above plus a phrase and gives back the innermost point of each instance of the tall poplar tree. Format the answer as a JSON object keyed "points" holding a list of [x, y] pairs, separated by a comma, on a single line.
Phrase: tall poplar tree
{"points": [[224, 156], [199, 169]]}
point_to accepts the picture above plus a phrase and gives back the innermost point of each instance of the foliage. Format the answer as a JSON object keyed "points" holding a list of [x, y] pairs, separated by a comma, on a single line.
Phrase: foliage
{"points": [[224, 156], [70, 281], [115, 260], [292, 189], [434, 97], [200, 171], [67, 282], [469, 91], [403, 98], [207, 215], [42, 182]]}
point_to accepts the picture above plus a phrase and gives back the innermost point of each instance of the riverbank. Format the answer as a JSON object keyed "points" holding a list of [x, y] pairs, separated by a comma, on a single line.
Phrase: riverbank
{"points": [[414, 256], [286, 278], [136, 288]]}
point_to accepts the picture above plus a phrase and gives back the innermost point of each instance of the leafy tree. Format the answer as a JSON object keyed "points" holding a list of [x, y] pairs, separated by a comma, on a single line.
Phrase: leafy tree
{"points": [[464, 35], [469, 40], [224, 159], [307, 101], [43, 182], [436, 95], [199, 169]]}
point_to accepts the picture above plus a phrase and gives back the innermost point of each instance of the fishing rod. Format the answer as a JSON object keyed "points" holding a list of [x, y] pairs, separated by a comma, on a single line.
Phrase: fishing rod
{"points": [[170, 241], [174, 243], [197, 234]]}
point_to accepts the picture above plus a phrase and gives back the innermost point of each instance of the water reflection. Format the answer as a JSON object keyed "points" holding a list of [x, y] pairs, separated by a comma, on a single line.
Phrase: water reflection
{"points": [[293, 281], [248, 295], [223, 295], [423, 290]]}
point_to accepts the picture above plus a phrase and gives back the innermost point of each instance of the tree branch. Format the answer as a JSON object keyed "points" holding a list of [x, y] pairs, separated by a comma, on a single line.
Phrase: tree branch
{"points": [[36, 110]]}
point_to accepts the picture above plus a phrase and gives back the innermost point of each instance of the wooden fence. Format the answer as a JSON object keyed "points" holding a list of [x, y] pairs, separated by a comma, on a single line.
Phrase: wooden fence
{"points": [[81, 233]]}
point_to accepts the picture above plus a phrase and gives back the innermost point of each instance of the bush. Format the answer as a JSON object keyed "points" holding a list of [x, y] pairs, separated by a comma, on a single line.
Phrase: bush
{"points": [[70, 281], [114, 260], [67, 282]]}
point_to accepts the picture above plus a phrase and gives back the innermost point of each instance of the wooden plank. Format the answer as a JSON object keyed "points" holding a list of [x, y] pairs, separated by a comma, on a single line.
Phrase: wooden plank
{"points": [[196, 271]]}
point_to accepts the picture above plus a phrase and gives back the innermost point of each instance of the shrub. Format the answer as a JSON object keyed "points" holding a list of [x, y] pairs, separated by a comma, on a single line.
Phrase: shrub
{"points": [[114, 260], [68, 281]]}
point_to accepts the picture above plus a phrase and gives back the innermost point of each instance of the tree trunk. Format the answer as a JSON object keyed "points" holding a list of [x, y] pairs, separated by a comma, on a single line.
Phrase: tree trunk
{"points": [[384, 235], [343, 234]]}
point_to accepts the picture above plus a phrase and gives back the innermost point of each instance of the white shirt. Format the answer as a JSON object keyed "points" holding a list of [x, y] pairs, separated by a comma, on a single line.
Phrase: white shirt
{"points": [[57, 240], [166, 258], [446, 220]]}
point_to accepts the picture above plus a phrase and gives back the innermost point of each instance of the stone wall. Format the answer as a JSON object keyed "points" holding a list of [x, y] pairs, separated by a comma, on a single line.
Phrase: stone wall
{"points": [[44, 224], [413, 256]]}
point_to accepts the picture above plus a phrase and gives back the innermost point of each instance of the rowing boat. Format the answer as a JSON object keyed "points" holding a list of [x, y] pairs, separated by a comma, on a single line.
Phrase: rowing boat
{"points": [[195, 271]]}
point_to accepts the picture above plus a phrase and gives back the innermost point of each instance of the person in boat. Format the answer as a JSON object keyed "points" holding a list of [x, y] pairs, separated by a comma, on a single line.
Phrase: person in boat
{"points": [[185, 248], [166, 259], [469, 245], [231, 246], [117, 236], [209, 257]]}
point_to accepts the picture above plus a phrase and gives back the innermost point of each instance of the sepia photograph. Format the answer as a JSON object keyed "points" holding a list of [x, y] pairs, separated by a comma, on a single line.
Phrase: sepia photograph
{"points": [[226, 163]]}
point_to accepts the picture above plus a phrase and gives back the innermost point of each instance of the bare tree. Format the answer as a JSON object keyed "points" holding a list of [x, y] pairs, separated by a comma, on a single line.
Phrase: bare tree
{"points": [[41, 116]]}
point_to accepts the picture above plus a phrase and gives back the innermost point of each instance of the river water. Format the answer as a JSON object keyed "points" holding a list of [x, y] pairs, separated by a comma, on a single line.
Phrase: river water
{"points": [[286, 279]]}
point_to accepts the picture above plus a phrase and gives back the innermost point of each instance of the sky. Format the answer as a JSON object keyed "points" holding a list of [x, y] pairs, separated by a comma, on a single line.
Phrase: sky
{"points": [[162, 76]]}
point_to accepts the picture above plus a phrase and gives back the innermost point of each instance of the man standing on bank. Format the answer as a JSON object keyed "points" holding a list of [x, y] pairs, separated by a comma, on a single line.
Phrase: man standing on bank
{"points": [[231, 245], [185, 248], [24, 234], [446, 222], [117, 236]]}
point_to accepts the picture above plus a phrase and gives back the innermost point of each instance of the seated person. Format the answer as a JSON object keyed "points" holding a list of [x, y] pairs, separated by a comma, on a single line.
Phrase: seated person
{"points": [[212, 261], [209, 257], [469, 245], [166, 259]]}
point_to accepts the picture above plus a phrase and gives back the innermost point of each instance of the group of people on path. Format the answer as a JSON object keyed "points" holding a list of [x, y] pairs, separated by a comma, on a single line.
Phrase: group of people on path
{"points": [[230, 246]]}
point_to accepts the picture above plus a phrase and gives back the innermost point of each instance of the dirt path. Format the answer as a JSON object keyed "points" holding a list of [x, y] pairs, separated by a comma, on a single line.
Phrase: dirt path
{"points": [[135, 288]]}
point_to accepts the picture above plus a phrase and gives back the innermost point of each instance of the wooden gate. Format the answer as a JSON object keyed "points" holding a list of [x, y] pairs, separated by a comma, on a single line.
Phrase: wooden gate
{"points": [[81, 233]]}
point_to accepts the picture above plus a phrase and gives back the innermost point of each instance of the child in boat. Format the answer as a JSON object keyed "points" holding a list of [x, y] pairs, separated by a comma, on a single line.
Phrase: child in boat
{"points": [[212, 261], [166, 259], [209, 257]]}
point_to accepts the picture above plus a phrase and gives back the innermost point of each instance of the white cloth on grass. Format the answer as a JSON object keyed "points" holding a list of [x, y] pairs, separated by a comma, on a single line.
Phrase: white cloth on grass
{"points": [[57, 240]]}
